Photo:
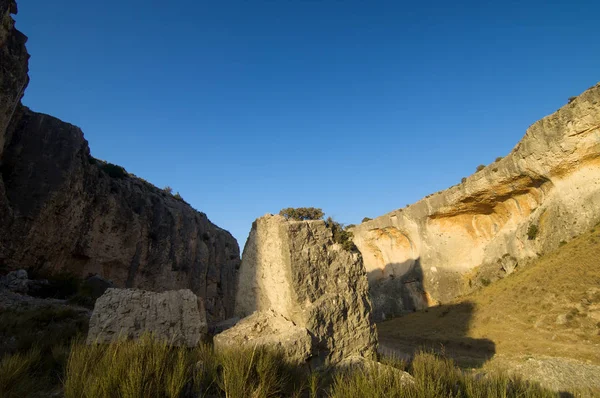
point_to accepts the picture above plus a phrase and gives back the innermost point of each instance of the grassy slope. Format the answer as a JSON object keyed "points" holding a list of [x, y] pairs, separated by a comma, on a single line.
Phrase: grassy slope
{"points": [[550, 308]]}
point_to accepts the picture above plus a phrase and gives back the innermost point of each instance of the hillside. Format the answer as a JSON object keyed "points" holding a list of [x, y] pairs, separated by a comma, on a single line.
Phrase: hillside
{"points": [[550, 308]]}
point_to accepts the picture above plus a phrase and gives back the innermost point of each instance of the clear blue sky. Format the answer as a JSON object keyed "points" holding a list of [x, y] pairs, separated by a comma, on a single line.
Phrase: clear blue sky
{"points": [[356, 107]]}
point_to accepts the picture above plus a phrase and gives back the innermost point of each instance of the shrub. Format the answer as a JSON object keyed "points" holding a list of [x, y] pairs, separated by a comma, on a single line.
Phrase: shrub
{"points": [[341, 235], [178, 196], [168, 190], [499, 158], [532, 232], [366, 219], [61, 284], [113, 170], [485, 281], [302, 213], [480, 167], [463, 180], [44, 327], [571, 99]]}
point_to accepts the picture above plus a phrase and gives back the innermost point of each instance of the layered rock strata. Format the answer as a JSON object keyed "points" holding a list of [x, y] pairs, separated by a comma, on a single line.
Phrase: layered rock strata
{"points": [[546, 191]]}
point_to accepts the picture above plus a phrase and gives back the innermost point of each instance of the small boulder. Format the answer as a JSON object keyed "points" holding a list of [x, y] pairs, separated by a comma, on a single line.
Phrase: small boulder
{"points": [[177, 316], [267, 329], [17, 281], [356, 362]]}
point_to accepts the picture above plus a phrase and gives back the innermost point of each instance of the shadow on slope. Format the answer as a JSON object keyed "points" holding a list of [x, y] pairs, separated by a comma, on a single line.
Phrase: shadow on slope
{"points": [[549, 308], [443, 329]]}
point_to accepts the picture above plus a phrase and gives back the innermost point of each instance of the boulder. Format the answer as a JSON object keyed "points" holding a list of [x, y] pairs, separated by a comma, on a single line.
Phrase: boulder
{"points": [[175, 316], [297, 271], [267, 329], [354, 363], [17, 281]]}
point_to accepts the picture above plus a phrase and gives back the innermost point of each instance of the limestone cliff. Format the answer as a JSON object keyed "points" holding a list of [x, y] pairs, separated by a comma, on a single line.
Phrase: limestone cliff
{"points": [[62, 209], [546, 191], [295, 270]]}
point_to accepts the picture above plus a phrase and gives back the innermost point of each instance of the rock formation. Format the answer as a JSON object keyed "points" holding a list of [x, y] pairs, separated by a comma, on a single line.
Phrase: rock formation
{"points": [[61, 209], [544, 192], [293, 273], [269, 329], [177, 317]]}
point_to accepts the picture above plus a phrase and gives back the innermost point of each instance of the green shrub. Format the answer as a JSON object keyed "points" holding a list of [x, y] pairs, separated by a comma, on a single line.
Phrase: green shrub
{"points": [[480, 167], [341, 235], [113, 170], [366, 219], [532, 232], [302, 213], [463, 180], [44, 327], [499, 158], [485, 281], [61, 284], [168, 190], [178, 196]]}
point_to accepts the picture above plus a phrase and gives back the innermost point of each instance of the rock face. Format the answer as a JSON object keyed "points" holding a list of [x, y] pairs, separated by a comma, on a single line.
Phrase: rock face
{"points": [[544, 192], [62, 209], [175, 316], [295, 270]]}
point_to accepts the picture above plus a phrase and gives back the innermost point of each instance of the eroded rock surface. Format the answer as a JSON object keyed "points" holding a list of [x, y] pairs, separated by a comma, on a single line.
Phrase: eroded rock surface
{"points": [[268, 329], [60, 209], [175, 316], [294, 269], [433, 250]]}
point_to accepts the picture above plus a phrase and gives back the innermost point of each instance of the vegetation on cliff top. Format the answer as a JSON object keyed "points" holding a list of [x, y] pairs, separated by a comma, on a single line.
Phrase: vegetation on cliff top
{"points": [[341, 234]]}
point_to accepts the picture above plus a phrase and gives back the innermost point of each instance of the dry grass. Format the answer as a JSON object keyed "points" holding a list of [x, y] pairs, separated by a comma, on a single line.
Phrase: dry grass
{"points": [[151, 368], [17, 374], [434, 376]]}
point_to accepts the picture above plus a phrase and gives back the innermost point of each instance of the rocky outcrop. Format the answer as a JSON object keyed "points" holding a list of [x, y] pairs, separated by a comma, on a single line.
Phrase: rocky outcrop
{"points": [[61, 209], [295, 270], [177, 317], [13, 68], [544, 192]]}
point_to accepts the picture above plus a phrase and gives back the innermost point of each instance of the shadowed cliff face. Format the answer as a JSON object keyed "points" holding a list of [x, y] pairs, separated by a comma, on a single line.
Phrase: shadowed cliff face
{"points": [[478, 230], [60, 210]]}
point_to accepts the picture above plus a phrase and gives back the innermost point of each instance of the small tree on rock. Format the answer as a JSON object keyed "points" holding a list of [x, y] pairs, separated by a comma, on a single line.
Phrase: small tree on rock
{"points": [[302, 213]]}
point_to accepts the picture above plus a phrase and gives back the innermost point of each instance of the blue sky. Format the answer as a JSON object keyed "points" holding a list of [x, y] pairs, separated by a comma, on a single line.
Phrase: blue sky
{"points": [[246, 107]]}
